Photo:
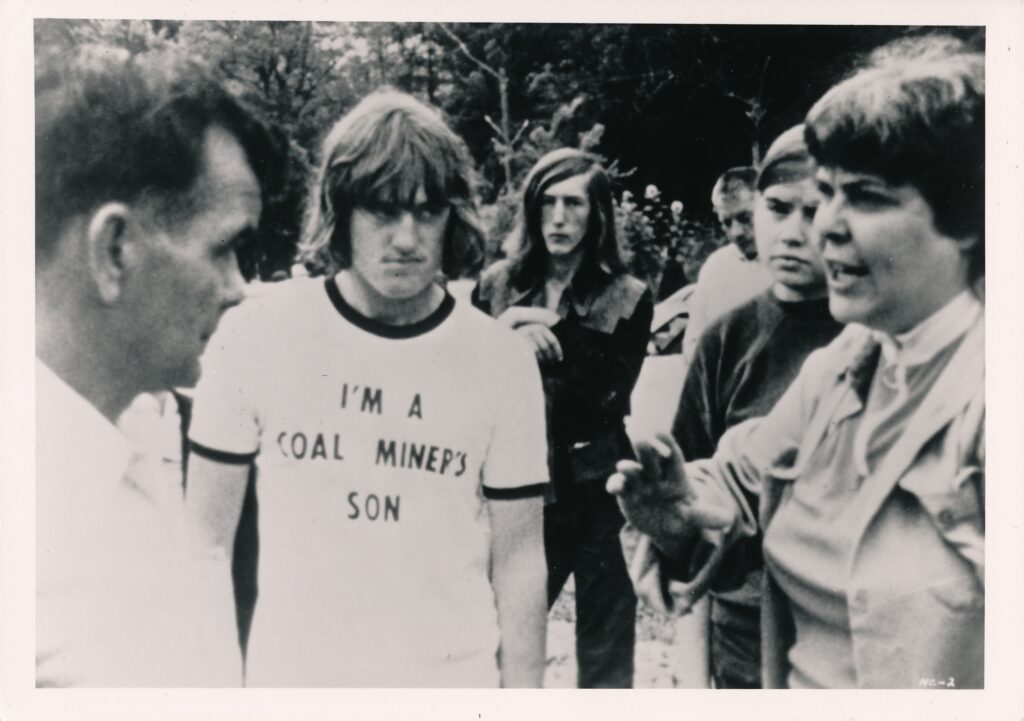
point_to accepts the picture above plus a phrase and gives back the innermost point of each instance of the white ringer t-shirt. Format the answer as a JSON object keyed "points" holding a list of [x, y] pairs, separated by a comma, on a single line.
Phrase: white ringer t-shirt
{"points": [[375, 447]]}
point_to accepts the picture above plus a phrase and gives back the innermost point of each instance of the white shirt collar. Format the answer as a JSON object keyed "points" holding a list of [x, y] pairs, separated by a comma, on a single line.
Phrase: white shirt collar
{"points": [[73, 435], [925, 340]]}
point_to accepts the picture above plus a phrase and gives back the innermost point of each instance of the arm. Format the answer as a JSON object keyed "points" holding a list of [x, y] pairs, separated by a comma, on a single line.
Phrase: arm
{"points": [[698, 423], [224, 439], [213, 504], [695, 513], [519, 579], [697, 321]]}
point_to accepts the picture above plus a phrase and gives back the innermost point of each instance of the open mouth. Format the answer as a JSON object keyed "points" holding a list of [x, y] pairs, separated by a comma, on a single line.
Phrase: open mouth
{"points": [[844, 272]]}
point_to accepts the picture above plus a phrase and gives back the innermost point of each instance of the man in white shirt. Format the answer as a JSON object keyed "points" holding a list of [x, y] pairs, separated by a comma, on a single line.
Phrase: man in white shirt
{"points": [[731, 275], [398, 435], [145, 186]]}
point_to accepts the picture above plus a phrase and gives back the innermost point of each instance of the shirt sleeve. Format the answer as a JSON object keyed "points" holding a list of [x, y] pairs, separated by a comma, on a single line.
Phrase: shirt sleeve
{"points": [[698, 317], [224, 425], [734, 477], [516, 465], [698, 423]]}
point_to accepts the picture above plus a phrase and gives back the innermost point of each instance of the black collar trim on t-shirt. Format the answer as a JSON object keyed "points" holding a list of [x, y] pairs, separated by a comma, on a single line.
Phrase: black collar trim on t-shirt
{"points": [[387, 330]]}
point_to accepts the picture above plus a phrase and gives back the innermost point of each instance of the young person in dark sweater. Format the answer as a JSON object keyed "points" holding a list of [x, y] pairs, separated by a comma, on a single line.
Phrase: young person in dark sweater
{"points": [[748, 358]]}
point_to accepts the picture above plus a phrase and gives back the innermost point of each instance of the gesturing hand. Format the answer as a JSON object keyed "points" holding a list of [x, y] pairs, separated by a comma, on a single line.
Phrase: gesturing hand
{"points": [[656, 497]]}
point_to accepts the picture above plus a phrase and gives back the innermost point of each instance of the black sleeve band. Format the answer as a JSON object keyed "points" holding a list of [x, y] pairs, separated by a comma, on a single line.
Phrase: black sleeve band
{"points": [[512, 494], [212, 454]]}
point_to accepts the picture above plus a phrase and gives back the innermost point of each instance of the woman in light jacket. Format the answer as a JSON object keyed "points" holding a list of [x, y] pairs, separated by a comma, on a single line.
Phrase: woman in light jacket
{"points": [[867, 478]]}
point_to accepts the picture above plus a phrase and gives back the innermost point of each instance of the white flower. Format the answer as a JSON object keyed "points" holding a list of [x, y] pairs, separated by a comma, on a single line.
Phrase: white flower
{"points": [[651, 192], [626, 196], [676, 207]]}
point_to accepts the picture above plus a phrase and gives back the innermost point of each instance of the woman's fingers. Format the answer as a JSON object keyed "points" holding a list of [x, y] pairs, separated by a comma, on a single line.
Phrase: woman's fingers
{"points": [[661, 458], [655, 495]]}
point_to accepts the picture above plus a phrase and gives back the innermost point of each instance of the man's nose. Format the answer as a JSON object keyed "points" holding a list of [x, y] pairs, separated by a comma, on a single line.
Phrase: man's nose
{"points": [[796, 230], [234, 286], [404, 233], [558, 212]]}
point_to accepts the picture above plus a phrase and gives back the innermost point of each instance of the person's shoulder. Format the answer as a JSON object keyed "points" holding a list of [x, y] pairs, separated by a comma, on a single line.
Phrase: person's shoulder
{"points": [[484, 336], [272, 304], [736, 327], [630, 285], [478, 327], [497, 273], [719, 258], [624, 292], [749, 310]]}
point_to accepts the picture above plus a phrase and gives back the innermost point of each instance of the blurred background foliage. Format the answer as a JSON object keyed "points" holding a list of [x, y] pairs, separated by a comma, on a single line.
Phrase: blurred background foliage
{"points": [[669, 107]]}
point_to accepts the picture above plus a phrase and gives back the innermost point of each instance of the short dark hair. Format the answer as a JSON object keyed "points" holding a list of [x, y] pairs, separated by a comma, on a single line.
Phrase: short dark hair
{"points": [[525, 247], [733, 181], [380, 154], [914, 115], [111, 126]]}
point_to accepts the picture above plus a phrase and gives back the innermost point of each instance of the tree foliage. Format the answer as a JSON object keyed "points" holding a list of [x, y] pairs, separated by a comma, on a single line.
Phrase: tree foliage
{"points": [[666, 105]]}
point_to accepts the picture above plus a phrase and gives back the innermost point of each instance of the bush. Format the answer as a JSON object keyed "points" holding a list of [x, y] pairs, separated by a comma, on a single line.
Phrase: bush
{"points": [[653, 235], [656, 235]]}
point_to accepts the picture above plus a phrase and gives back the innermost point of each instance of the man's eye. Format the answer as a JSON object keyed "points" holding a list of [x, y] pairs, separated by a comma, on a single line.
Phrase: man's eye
{"points": [[385, 213], [779, 208], [429, 212], [825, 189]]}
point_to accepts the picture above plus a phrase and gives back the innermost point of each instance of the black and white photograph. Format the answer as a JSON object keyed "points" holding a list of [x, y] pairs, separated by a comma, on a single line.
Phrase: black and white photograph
{"points": [[379, 357]]}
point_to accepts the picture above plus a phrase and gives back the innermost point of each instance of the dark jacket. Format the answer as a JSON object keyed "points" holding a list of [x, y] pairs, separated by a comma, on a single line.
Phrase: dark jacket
{"points": [[603, 334]]}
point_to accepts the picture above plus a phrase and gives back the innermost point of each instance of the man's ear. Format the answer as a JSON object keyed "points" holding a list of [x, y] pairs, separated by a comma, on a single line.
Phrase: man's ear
{"points": [[110, 249]]}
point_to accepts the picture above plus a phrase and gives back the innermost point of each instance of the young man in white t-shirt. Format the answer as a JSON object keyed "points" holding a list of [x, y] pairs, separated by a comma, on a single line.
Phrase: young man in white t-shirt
{"points": [[398, 435]]}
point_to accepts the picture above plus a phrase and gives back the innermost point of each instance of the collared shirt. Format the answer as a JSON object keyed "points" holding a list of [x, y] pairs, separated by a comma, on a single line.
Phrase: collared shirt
{"points": [[909, 352], [112, 601], [811, 541], [727, 280]]}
